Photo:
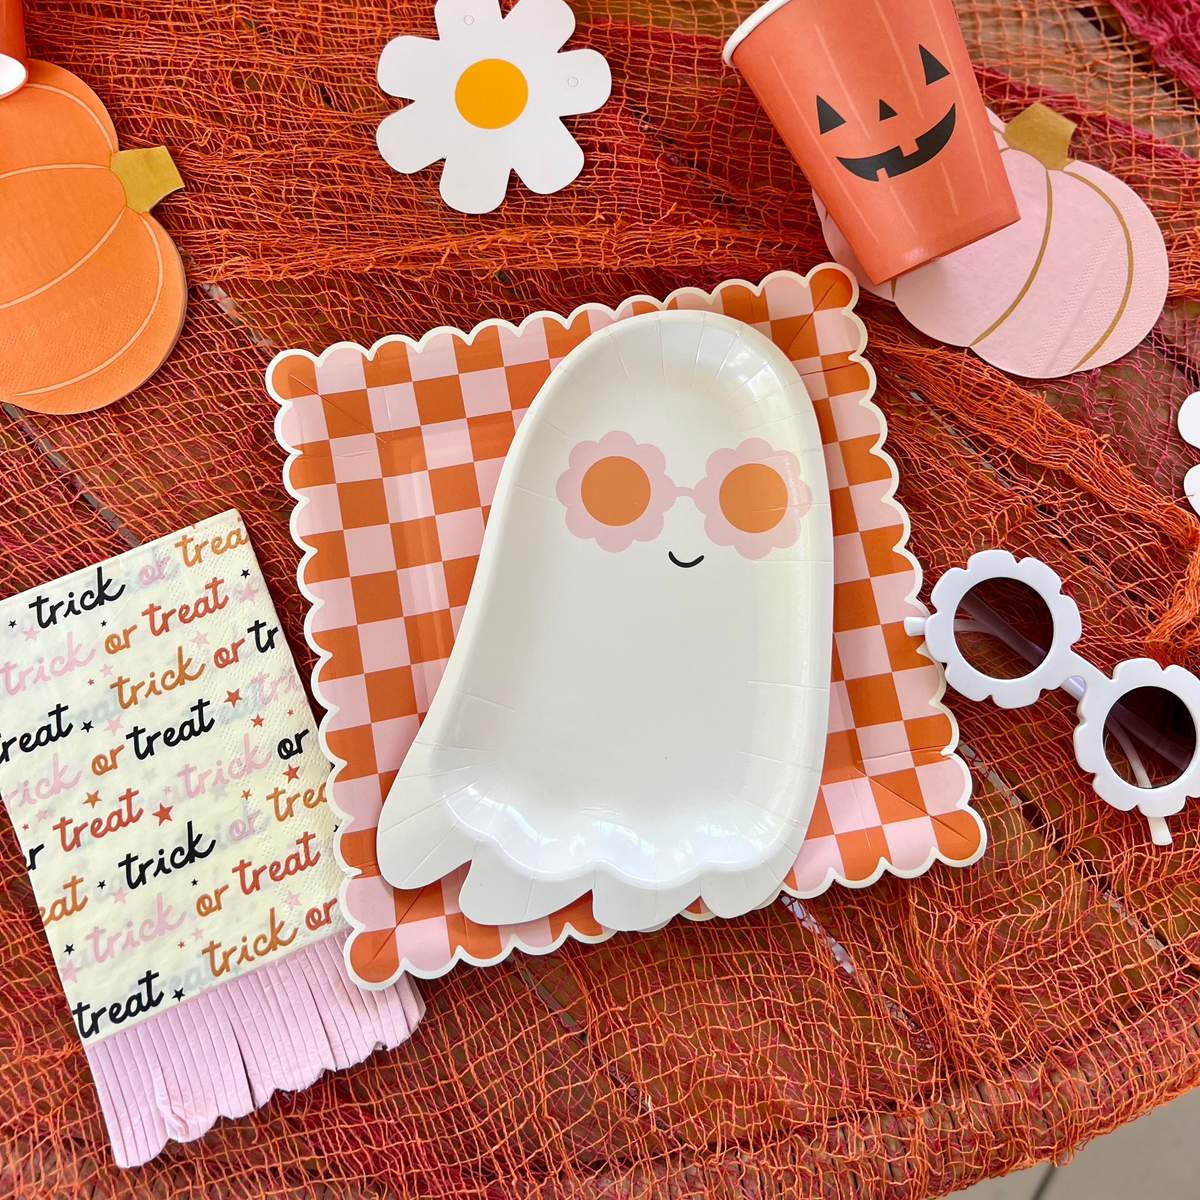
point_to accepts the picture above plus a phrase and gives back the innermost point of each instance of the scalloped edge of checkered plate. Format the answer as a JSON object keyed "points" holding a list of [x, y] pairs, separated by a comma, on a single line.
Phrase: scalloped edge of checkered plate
{"points": [[910, 810]]}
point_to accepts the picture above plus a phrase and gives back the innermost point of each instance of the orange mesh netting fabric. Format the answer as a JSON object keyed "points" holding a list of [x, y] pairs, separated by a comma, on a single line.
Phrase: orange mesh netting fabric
{"points": [[899, 1041]]}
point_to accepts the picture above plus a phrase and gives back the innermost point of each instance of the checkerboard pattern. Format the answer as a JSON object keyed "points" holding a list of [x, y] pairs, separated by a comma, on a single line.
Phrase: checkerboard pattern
{"points": [[394, 454]]}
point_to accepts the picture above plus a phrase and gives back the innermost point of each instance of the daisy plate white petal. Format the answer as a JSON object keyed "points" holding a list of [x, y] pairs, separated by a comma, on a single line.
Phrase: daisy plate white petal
{"points": [[411, 140], [410, 66], [549, 160], [543, 25], [459, 19], [580, 82], [474, 183]]}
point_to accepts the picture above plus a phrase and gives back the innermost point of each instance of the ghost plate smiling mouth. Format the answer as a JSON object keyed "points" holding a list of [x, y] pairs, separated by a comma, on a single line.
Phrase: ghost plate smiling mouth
{"points": [[694, 563]]}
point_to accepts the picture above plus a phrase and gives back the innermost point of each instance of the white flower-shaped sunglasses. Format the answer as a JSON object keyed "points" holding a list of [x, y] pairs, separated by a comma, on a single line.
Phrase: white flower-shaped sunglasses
{"points": [[1059, 666]]}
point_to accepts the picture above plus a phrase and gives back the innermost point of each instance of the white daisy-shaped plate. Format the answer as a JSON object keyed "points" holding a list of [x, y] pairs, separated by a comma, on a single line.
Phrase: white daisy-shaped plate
{"points": [[488, 95]]}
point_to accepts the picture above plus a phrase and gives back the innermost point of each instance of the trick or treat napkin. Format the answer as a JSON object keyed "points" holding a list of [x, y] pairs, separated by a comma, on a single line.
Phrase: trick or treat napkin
{"points": [[160, 763]]}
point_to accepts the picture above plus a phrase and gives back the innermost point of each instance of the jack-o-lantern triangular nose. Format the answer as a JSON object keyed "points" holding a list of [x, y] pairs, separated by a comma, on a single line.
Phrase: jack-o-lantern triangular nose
{"points": [[933, 69], [886, 111], [828, 117]]}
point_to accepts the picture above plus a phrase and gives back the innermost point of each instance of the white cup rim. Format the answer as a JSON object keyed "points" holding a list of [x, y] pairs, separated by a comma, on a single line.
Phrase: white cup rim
{"points": [[748, 26]]}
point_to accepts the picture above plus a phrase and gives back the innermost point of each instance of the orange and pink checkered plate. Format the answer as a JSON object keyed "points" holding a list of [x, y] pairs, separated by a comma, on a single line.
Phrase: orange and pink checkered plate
{"points": [[394, 454]]}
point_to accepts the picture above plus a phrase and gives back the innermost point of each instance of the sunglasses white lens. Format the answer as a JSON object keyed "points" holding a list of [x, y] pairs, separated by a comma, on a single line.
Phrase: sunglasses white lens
{"points": [[1149, 737], [1003, 628]]}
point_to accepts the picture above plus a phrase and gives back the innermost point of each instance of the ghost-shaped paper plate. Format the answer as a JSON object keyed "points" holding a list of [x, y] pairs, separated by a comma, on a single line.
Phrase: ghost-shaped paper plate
{"points": [[637, 700]]}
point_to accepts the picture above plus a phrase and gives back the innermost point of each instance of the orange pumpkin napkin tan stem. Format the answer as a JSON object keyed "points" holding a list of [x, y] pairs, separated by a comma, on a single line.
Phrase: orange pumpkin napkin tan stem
{"points": [[146, 175]]}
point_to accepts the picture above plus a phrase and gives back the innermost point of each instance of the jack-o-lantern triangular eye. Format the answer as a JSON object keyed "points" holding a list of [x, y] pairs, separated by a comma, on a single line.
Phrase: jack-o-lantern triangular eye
{"points": [[933, 69], [828, 117]]}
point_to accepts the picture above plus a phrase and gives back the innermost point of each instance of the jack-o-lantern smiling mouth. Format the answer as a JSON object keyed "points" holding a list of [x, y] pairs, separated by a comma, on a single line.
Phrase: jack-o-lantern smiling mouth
{"points": [[895, 162]]}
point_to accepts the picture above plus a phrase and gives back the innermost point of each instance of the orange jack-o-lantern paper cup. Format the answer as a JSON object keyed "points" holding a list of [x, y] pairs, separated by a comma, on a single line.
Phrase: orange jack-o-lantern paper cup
{"points": [[878, 102]]}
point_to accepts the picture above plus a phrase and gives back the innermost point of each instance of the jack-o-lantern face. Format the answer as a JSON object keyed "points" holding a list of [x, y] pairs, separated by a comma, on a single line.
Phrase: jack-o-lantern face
{"points": [[894, 161]]}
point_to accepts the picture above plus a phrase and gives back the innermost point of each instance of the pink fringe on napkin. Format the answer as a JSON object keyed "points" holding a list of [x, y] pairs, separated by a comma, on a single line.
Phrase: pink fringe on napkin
{"points": [[225, 1052]]}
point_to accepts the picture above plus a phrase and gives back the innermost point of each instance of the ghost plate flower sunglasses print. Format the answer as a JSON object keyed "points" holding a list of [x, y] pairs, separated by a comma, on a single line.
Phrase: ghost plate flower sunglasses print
{"points": [[487, 97], [752, 498]]}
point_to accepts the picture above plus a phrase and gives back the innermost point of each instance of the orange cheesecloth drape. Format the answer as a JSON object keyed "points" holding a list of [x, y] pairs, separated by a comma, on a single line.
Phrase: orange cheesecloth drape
{"points": [[912, 1036]]}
